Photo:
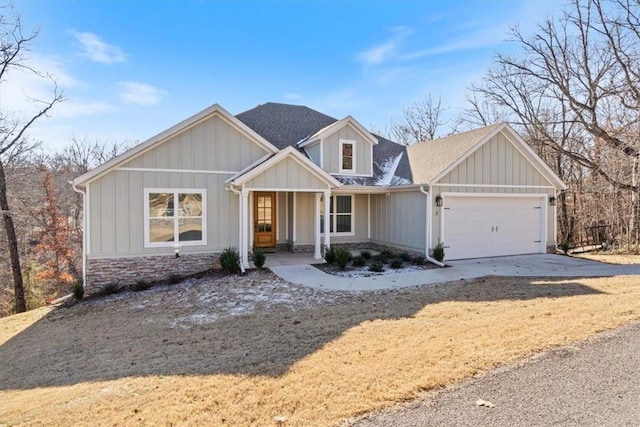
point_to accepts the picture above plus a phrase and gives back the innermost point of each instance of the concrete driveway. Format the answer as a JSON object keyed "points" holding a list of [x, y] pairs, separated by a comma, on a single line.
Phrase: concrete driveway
{"points": [[538, 265], [541, 265]]}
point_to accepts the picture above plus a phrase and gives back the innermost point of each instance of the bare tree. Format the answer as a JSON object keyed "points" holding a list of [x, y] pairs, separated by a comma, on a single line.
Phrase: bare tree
{"points": [[421, 121], [574, 88], [13, 140]]}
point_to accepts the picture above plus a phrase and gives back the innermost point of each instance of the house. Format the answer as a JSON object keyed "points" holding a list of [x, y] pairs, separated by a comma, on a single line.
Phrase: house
{"points": [[281, 176]]}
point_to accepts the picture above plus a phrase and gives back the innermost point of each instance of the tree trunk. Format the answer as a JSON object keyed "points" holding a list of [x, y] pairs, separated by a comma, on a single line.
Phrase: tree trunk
{"points": [[21, 306]]}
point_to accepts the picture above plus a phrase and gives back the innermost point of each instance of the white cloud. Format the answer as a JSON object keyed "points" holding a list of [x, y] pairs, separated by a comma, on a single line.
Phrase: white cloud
{"points": [[140, 93], [23, 91], [97, 50], [384, 51], [474, 40]]}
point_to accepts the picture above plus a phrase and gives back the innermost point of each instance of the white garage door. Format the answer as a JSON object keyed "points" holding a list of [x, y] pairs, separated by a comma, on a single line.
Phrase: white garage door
{"points": [[476, 227]]}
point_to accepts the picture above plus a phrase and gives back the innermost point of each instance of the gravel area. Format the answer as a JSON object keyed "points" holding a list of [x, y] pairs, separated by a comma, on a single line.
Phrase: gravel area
{"points": [[215, 297], [594, 384]]}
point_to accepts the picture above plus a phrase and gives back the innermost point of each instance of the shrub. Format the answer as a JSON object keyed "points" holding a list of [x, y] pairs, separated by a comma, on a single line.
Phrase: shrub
{"points": [[77, 289], [376, 266], [380, 258], [438, 252], [358, 261], [387, 254], [405, 256], [420, 260], [141, 285], [343, 256], [396, 263], [230, 261], [565, 246], [109, 289], [330, 255], [174, 279], [366, 255], [259, 258]]}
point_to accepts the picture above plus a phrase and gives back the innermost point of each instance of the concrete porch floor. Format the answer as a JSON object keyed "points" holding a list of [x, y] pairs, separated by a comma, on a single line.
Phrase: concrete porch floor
{"points": [[275, 259]]}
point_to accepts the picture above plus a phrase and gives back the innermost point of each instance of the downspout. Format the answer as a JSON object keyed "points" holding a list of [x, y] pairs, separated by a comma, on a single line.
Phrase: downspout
{"points": [[239, 194], [428, 233], [84, 235]]}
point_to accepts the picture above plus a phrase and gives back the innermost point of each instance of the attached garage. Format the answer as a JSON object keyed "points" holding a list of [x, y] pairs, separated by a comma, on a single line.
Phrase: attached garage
{"points": [[493, 225], [489, 193]]}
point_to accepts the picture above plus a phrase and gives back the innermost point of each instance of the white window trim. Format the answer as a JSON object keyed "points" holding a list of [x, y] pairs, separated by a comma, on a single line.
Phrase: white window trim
{"points": [[333, 216], [175, 244], [353, 156]]}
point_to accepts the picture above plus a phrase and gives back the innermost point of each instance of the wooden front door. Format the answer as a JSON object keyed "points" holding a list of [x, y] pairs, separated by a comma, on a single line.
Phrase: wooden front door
{"points": [[264, 220]]}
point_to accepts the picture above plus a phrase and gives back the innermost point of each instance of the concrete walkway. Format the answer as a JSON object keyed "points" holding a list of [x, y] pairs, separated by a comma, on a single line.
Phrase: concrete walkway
{"points": [[540, 265]]}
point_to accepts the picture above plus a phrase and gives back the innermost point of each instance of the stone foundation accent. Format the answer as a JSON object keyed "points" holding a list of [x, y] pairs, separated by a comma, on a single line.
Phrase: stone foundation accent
{"points": [[126, 271], [551, 249]]}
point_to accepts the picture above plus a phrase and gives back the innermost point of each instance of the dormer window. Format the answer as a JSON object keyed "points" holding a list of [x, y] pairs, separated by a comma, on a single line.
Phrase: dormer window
{"points": [[347, 156]]}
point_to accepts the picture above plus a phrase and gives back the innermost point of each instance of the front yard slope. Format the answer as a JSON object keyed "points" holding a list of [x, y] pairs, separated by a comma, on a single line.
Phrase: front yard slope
{"points": [[242, 351]]}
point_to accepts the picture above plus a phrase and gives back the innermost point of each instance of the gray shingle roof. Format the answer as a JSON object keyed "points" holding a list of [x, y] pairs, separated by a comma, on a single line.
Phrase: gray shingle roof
{"points": [[285, 125], [430, 158]]}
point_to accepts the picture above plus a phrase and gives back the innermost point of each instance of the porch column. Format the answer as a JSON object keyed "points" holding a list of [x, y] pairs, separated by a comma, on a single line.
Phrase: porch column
{"points": [[317, 254], [244, 246], [327, 219]]}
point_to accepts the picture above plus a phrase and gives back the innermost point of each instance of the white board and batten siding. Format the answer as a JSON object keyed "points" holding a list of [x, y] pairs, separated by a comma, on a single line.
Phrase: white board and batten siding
{"points": [[203, 156], [331, 151], [502, 210], [287, 174], [399, 219]]}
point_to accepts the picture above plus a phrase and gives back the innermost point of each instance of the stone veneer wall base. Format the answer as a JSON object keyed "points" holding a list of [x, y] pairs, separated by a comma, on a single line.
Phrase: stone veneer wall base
{"points": [[126, 271]]}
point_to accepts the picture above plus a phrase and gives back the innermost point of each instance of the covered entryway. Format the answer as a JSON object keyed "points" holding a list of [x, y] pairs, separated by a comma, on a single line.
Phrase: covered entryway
{"points": [[475, 226], [287, 172]]}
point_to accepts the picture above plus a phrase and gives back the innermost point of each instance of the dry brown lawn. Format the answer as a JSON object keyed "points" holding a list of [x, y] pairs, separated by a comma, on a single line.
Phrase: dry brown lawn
{"points": [[610, 258], [130, 361]]}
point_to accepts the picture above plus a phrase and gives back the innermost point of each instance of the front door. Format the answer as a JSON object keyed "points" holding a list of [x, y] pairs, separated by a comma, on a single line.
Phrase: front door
{"points": [[264, 220]]}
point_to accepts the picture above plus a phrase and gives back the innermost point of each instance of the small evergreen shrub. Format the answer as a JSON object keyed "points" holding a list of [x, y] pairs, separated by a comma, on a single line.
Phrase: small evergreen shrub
{"points": [[330, 255], [380, 258], [420, 260], [396, 263], [358, 261], [141, 285], [109, 289], [343, 256], [259, 258], [438, 252], [376, 266], [77, 290], [565, 246], [230, 261], [387, 254], [405, 256], [366, 255]]}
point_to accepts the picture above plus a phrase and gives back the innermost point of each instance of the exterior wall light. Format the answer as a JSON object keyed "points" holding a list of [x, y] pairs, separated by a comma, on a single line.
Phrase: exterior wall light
{"points": [[176, 249], [439, 201], [552, 200]]}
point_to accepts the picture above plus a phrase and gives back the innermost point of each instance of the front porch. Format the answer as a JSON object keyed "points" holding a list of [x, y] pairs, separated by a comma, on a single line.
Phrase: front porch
{"points": [[284, 219]]}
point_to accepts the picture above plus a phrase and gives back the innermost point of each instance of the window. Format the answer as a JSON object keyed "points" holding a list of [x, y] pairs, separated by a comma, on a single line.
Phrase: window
{"points": [[175, 217], [347, 156], [340, 215]]}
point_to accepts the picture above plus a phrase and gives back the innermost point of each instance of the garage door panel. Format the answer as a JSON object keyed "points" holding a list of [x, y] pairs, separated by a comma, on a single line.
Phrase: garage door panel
{"points": [[491, 226]]}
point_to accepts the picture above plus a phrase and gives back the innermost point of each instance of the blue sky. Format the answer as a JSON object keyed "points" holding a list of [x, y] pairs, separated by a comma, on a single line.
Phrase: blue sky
{"points": [[131, 69]]}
